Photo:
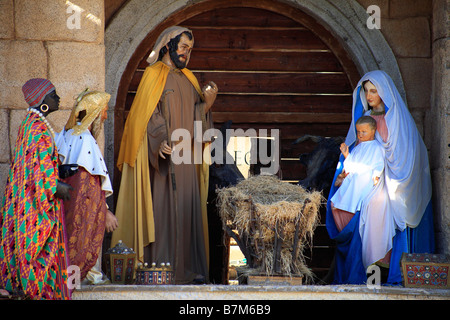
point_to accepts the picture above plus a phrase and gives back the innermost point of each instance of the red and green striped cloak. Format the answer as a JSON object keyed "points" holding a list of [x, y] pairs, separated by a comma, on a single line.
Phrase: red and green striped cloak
{"points": [[32, 250]]}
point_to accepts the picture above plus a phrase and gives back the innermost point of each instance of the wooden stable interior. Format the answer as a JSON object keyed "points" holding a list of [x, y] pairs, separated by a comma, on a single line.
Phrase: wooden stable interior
{"points": [[276, 68]]}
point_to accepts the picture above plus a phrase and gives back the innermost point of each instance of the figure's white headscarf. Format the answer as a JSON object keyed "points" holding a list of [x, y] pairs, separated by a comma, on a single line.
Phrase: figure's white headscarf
{"points": [[405, 191], [163, 39]]}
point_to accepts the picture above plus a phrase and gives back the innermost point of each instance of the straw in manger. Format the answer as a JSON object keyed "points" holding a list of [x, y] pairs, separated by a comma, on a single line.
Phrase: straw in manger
{"points": [[274, 221]]}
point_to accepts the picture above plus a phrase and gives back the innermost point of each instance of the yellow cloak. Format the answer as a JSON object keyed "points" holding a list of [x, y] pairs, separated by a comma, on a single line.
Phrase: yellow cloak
{"points": [[134, 209]]}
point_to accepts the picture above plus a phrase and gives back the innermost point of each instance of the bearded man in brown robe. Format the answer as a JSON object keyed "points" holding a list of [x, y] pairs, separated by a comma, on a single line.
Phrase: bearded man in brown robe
{"points": [[165, 221]]}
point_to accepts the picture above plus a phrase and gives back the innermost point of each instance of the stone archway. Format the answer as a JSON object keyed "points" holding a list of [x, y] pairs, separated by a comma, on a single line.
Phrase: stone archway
{"points": [[342, 29]]}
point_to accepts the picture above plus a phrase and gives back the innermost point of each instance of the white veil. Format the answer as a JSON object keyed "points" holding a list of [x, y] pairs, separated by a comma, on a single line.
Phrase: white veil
{"points": [[406, 184]]}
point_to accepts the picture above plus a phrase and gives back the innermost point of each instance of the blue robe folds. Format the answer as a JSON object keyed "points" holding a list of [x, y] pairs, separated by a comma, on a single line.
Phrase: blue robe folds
{"points": [[408, 184]]}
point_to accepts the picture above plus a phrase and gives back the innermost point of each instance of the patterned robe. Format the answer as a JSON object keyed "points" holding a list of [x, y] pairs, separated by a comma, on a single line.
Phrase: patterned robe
{"points": [[32, 248], [85, 212]]}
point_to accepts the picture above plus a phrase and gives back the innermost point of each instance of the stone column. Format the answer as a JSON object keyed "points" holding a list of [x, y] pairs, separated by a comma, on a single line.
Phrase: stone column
{"points": [[440, 107], [58, 40]]}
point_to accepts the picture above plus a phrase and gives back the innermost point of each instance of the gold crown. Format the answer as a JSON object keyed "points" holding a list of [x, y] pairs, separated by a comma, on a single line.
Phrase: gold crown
{"points": [[93, 102], [163, 267]]}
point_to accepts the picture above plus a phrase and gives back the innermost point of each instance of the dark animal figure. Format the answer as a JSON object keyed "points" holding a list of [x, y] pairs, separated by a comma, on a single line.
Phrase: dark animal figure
{"points": [[320, 163], [320, 169], [226, 174], [220, 176]]}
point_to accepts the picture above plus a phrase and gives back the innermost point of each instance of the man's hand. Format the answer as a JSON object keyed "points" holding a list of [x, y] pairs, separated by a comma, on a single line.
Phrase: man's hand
{"points": [[210, 94], [164, 148], [111, 222], [63, 190]]}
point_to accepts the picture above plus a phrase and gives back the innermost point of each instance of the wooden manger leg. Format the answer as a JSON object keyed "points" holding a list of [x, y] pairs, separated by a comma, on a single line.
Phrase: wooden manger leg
{"points": [[294, 248], [277, 250], [246, 251], [296, 235], [297, 231]]}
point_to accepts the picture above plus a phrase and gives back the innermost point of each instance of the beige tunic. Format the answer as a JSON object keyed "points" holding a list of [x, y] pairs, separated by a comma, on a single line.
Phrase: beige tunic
{"points": [[179, 237]]}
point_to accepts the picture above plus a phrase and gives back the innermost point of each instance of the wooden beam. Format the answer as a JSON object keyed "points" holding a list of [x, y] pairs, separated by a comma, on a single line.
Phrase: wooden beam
{"points": [[264, 60], [255, 17], [275, 103], [282, 117]]}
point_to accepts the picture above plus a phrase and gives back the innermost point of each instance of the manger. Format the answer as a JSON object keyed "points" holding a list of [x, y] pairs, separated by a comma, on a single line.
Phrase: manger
{"points": [[272, 222]]}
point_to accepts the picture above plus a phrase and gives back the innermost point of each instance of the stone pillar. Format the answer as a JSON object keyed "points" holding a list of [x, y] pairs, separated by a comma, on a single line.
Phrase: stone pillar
{"points": [[62, 41], [440, 107]]}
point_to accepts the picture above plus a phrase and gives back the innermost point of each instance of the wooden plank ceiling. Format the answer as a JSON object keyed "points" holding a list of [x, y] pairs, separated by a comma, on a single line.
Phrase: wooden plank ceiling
{"points": [[272, 73]]}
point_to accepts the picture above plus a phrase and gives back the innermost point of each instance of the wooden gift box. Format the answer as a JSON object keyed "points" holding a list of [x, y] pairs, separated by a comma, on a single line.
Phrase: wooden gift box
{"points": [[425, 270], [120, 264]]}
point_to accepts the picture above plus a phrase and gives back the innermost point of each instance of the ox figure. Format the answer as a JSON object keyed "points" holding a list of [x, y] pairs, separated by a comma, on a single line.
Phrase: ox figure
{"points": [[220, 176], [320, 163]]}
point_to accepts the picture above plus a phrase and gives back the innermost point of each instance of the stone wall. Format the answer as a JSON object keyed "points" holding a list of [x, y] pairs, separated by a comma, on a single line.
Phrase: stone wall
{"points": [[440, 127], [406, 26], [51, 39]]}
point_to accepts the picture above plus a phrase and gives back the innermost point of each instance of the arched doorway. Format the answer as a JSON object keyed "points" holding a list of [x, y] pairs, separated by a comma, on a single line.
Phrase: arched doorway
{"points": [[276, 68]]}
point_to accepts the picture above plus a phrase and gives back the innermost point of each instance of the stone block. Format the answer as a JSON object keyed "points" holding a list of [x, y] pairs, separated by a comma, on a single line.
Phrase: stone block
{"points": [[417, 76], [440, 104], [428, 135], [81, 20], [6, 19], [441, 68], [441, 208], [73, 66], [441, 19], [382, 4], [410, 8], [4, 171], [408, 37], [58, 119], [440, 146], [418, 116], [19, 62], [4, 125], [15, 119]]}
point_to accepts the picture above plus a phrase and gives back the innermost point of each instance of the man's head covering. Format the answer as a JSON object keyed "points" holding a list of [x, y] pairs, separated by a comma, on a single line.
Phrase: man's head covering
{"points": [[35, 90], [93, 102], [163, 39]]}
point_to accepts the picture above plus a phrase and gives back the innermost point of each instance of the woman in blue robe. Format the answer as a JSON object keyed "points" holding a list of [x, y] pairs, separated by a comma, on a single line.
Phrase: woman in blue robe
{"points": [[403, 196]]}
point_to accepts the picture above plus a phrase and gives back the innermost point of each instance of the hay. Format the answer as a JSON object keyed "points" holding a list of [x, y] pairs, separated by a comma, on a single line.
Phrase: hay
{"points": [[272, 218]]}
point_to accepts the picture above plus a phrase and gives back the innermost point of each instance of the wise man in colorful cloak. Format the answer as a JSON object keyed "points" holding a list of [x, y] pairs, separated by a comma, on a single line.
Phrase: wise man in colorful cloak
{"points": [[161, 207], [33, 260]]}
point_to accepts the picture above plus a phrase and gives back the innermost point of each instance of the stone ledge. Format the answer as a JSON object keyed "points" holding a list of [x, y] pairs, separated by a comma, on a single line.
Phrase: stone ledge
{"points": [[245, 292]]}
